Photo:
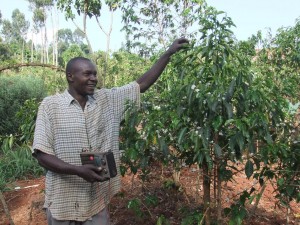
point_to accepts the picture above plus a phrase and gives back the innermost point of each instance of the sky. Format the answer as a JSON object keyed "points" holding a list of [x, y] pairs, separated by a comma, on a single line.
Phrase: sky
{"points": [[249, 16]]}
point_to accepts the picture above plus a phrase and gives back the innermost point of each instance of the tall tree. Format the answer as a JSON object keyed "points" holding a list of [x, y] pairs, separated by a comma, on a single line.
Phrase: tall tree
{"points": [[15, 31], [82, 7], [78, 36], [65, 35], [88, 9], [20, 26], [55, 26], [40, 8], [150, 25]]}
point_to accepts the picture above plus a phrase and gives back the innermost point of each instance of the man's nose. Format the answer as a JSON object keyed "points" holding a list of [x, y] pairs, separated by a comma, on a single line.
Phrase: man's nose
{"points": [[93, 77]]}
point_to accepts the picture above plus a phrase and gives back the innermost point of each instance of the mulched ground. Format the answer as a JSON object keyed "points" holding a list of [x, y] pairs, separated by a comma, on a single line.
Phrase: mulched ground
{"points": [[143, 203]]}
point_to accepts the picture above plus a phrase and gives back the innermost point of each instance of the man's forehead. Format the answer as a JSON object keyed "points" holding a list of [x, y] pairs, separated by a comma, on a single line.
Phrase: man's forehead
{"points": [[84, 65]]}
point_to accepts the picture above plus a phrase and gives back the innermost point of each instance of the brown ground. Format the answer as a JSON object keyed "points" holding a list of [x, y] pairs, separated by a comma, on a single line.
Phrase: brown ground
{"points": [[25, 204]]}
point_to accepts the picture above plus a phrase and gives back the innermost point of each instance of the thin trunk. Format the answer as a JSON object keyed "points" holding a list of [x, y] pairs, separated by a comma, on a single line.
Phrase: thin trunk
{"points": [[31, 59], [198, 187], [206, 194], [6, 210], [215, 181], [53, 38], [46, 57], [252, 212], [85, 33], [108, 35], [42, 48], [23, 47], [56, 37], [84, 24], [46, 47], [288, 211], [219, 195]]}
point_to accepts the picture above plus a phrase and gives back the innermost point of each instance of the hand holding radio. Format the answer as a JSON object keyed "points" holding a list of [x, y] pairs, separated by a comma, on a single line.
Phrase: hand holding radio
{"points": [[103, 161], [91, 173]]}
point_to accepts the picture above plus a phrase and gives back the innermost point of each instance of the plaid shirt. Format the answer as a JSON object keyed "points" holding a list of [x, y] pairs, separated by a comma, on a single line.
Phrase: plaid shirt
{"points": [[63, 129]]}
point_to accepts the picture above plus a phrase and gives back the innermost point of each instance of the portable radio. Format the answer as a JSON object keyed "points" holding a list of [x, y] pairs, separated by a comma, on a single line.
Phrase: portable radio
{"points": [[105, 160]]}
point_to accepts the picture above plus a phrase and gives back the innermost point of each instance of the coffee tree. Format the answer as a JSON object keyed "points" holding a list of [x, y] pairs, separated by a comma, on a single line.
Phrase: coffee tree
{"points": [[212, 109]]}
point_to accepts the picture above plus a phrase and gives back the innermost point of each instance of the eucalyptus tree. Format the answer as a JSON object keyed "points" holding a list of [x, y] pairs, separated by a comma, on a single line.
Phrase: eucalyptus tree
{"points": [[21, 26], [65, 35], [40, 9], [5, 52], [15, 31], [78, 36], [5, 31], [86, 8], [89, 9], [150, 25]]}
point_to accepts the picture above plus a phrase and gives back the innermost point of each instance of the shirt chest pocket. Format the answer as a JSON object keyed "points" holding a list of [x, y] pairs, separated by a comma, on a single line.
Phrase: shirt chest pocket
{"points": [[97, 134]]}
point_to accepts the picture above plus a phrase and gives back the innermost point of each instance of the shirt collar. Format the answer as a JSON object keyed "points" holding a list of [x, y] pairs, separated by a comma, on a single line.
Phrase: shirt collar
{"points": [[69, 98]]}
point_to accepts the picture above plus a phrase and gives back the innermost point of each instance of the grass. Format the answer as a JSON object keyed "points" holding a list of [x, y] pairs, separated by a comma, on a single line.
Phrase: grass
{"points": [[17, 163]]}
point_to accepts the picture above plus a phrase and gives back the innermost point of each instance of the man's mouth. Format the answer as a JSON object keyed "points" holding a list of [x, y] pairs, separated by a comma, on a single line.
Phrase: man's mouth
{"points": [[91, 85]]}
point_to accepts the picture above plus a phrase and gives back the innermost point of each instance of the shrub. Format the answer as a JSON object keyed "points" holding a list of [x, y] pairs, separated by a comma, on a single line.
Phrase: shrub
{"points": [[14, 91]]}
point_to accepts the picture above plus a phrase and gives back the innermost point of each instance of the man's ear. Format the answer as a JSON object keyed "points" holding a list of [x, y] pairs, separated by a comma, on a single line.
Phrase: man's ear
{"points": [[69, 77]]}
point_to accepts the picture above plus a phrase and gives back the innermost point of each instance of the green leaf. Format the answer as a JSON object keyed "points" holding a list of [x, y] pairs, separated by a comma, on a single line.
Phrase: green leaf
{"points": [[229, 109], [249, 169], [11, 141], [227, 211], [218, 150], [181, 135], [280, 182], [240, 140], [251, 147], [213, 106], [163, 146], [217, 122], [230, 91], [290, 190]]}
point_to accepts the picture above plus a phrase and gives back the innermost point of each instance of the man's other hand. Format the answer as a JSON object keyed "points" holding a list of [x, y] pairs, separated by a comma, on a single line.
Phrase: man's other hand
{"points": [[177, 45]]}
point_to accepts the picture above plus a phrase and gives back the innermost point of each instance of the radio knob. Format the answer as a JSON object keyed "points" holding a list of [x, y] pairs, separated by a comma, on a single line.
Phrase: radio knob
{"points": [[103, 162]]}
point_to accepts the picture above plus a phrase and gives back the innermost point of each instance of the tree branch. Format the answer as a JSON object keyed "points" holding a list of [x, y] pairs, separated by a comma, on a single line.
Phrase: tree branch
{"points": [[15, 66]]}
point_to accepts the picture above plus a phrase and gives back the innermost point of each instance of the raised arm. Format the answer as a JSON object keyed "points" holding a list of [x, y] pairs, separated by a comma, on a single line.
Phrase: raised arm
{"points": [[149, 78]]}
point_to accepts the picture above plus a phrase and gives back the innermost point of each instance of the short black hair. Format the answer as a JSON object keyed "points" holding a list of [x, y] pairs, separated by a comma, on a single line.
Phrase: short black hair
{"points": [[72, 62]]}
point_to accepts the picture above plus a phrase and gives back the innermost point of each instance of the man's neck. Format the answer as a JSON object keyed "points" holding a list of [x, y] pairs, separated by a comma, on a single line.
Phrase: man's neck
{"points": [[80, 98]]}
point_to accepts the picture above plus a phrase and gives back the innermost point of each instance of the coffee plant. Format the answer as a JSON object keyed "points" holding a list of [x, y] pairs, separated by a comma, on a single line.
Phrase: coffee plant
{"points": [[213, 107]]}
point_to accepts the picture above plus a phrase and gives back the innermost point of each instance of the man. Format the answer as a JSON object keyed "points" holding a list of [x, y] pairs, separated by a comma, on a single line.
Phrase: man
{"points": [[84, 118]]}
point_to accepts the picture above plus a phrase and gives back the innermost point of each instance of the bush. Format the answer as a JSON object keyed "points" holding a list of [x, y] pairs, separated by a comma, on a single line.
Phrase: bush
{"points": [[14, 91]]}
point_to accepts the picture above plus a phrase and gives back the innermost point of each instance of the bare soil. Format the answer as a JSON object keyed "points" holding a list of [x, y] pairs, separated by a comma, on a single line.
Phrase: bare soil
{"points": [[171, 201]]}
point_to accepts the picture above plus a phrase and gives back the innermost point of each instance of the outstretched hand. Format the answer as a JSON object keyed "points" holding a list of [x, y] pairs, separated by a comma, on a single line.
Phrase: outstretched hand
{"points": [[177, 45]]}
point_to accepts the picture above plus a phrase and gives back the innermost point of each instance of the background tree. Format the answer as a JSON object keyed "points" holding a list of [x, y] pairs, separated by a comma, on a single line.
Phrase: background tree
{"points": [[15, 31], [150, 25], [89, 9], [39, 8], [21, 26], [78, 36]]}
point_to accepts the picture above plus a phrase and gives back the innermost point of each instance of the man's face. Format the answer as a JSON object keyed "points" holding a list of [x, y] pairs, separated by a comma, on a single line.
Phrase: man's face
{"points": [[83, 78]]}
